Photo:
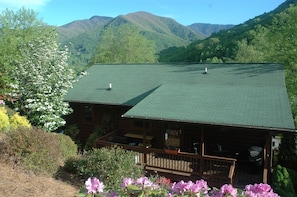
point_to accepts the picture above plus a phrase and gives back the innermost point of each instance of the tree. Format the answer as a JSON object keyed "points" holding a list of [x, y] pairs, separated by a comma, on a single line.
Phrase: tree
{"points": [[282, 183], [283, 32], [125, 44], [39, 70], [14, 28]]}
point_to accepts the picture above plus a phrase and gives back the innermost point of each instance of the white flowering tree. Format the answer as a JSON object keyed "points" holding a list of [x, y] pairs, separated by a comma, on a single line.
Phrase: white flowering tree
{"points": [[39, 70], [42, 78]]}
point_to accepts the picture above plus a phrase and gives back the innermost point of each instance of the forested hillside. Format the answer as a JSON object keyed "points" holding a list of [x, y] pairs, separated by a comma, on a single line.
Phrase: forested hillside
{"points": [[207, 29], [227, 45], [78, 27], [83, 36], [270, 37]]}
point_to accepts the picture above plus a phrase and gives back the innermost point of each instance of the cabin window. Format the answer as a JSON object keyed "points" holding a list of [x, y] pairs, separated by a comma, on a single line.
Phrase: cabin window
{"points": [[88, 113]]}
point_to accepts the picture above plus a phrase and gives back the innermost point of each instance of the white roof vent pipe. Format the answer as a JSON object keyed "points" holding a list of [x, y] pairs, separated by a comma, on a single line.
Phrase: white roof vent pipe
{"points": [[110, 86], [205, 71]]}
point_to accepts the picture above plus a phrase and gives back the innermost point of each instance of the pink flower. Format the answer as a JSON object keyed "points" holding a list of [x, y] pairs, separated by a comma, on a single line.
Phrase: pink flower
{"points": [[127, 181], [259, 190], [228, 189], [144, 182], [199, 186], [100, 187], [179, 187], [93, 185], [2, 102]]}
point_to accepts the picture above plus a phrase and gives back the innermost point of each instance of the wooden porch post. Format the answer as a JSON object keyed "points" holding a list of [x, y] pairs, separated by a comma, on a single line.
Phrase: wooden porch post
{"points": [[202, 141], [202, 151], [145, 141], [266, 157], [144, 146]]}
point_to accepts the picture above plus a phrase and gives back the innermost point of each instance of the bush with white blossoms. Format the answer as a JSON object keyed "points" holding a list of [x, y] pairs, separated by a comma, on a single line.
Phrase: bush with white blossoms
{"points": [[42, 78], [144, 187]]}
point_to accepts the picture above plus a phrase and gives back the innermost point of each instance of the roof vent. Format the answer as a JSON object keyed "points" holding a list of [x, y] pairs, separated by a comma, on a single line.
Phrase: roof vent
{"points": [[110, 86], [205, 70]]}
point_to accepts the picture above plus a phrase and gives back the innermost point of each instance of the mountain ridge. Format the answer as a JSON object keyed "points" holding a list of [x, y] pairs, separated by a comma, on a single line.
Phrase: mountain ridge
{"points": [[76, 27], [83, 36]]}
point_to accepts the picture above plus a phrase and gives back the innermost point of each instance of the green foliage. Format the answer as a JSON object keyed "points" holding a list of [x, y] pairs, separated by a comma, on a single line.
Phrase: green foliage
{"points": [[4, 119], [12, 24], [110, 164], [288, 151], [37, 67], [98, 132], [293, 177], [72, 131], [284, 50], [125, 44], [33, 149], [67, 146], [19, 121], [281, 182]]}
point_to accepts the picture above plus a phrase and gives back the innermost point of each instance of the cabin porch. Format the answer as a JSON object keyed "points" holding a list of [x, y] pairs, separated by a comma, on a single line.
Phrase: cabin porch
{"points": [[178, 164]]}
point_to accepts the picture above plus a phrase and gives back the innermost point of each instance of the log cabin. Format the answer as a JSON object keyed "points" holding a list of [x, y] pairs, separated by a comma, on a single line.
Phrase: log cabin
{"points": [[188, 121]]}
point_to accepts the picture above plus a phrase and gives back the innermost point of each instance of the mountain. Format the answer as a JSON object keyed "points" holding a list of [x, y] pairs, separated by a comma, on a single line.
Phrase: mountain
{"points": [[207, 29], [247, 42], [78, 27], [83, 36]]}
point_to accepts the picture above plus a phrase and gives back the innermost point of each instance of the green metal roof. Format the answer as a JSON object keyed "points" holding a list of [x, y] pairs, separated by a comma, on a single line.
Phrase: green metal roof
{"points": [[249, 95]]}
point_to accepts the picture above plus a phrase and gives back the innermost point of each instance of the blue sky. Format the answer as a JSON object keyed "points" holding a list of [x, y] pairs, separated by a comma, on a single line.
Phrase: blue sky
{"points": [[186, 12]]}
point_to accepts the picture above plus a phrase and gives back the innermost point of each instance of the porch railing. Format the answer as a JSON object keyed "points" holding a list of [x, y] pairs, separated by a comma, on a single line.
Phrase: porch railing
{"points": [[215, 170]]}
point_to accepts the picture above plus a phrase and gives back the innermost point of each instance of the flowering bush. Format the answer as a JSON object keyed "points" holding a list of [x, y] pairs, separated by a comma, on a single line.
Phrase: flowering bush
{"points": [[144, 187]]}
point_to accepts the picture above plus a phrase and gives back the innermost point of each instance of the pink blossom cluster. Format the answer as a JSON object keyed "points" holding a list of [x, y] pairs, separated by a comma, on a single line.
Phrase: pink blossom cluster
{"points": [[94, 185], [182, 188], [189, 188], [259, 190], [225, 190]]}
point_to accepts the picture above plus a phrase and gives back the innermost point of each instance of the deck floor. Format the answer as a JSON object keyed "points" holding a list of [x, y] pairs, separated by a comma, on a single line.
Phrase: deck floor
{"points": [[246, 173]]}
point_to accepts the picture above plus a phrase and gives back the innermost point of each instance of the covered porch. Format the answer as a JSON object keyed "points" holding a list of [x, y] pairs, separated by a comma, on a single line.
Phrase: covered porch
{"points": [[190, 152]]}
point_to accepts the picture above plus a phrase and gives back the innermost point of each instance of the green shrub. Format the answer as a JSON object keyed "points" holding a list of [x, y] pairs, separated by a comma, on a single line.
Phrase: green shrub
{"points": [[110, 165], [282, 183], [287, 156], [98, 132], [72, 131], [16, 121], [33, 149], [67, 146], [293, 177], [4, 119]]}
